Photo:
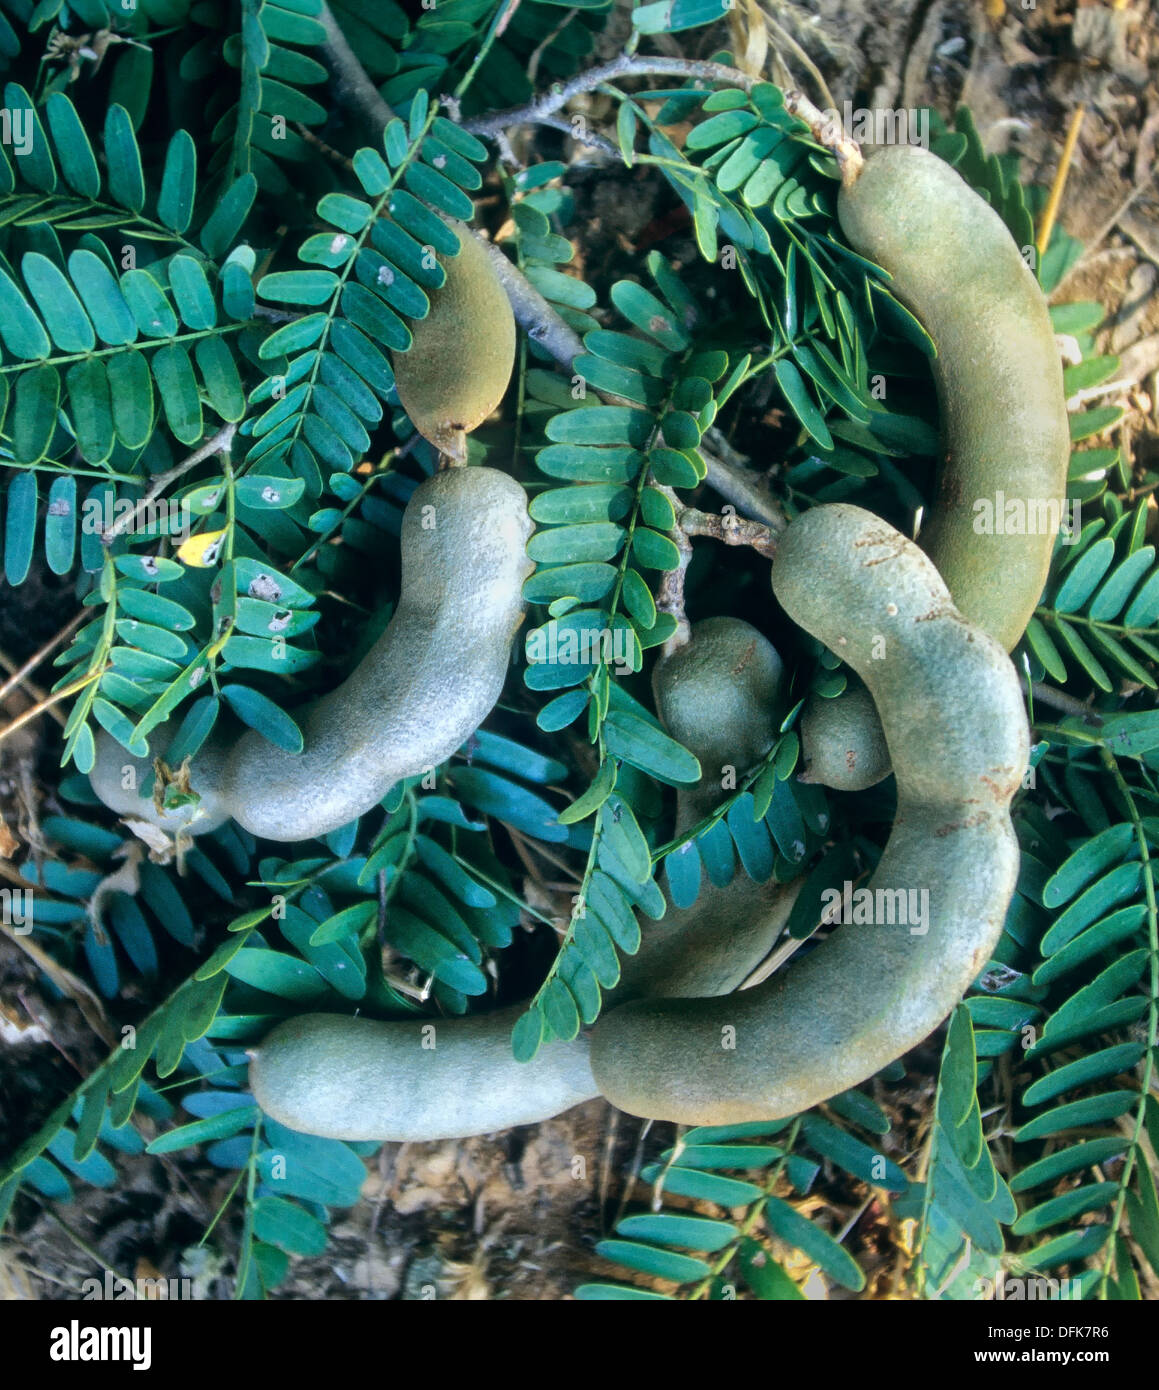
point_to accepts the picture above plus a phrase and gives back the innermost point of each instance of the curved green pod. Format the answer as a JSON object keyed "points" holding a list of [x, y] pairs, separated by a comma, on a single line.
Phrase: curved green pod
{"points": [[1002, 482], [349, 1078], [426, 1079], [950, 705], [842, 742], [423, 688]]}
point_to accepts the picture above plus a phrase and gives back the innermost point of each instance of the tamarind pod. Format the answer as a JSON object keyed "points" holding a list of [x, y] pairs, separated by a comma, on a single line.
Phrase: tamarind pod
{"points": [[956, 267], [354, 1079], [951, 709], [842, 743], [711, 947], [460, 362], [420, 1079], [423, 688], [427, 683], [717, 695]]}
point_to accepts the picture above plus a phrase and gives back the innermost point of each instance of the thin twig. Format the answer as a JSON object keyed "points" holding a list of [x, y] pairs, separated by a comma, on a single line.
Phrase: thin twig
{"points": [[670, 594], [35, 711], [352, 86], [1060, 700], [545, 43], [537, 318], [626, 65], [603, 1186], [532, 312], [727, 473], [782, 36], [71, 986], [39, 694], [828, 131], [542, 323], [1050, 211], [633, 1173], [579, 132], [334, 156], [263, 311], [729, 528], [20, 674], [218, 444]]}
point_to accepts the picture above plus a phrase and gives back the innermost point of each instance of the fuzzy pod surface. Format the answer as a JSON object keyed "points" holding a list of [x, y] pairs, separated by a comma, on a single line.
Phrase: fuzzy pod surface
{"points": [[423, 688], [417, 1080], [118, 776], [459, 365], [956, 267], [842, 742], [356, 1078], [717, 695], [426, 1079], [951, 707]]}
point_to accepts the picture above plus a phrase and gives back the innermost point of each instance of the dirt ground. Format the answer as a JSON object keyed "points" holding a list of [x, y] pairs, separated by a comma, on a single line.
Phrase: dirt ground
{"points": [[517, 1216]]}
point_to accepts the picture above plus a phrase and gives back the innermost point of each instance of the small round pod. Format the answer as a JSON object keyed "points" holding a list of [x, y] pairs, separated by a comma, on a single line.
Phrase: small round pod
{"points": [[459, 365], [1002, 483], [414, 1080], [717, 695], [423, 688], [951, 708], [842, 743]]}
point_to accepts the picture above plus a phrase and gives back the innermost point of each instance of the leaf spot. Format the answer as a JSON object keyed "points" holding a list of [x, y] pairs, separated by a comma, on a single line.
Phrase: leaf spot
{"points": [[265, 587]]}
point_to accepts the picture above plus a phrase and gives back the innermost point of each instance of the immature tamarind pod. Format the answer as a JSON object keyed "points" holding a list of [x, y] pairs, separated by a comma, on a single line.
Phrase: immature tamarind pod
{"points": [[711, 947], [842, 743], [457, 368], [426, 1079], [950, 705], [423, 688], [356, 1078], [956, 267], [717, 695]]}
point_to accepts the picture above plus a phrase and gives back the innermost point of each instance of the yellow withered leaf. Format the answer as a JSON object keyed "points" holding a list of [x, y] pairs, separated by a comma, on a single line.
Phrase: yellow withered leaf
{"points": [[201, 551]]}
